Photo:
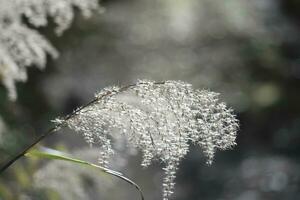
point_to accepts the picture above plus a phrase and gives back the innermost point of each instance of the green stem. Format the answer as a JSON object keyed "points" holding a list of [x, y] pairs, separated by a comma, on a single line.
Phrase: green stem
{"points": [[58, 126]]}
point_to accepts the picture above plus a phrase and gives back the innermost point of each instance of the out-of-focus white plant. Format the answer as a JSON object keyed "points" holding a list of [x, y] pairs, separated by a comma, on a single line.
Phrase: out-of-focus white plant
{"points": [[20, 45], [160, 119]]}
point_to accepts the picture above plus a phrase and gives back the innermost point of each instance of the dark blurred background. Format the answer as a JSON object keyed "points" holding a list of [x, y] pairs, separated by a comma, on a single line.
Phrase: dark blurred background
{"points": [[249, 51]]}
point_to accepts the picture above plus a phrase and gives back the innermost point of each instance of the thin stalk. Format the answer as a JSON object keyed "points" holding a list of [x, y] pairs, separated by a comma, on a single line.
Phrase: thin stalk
{"points": [[41, 137], [58, 126]]}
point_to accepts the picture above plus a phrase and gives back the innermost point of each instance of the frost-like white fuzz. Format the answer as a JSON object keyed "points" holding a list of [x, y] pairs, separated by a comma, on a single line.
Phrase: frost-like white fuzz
{"points": [[20, 45], [161, 120]]}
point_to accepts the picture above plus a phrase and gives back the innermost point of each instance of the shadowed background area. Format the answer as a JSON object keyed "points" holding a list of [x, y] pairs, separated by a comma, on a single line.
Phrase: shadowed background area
{"points": [[248, 51]]}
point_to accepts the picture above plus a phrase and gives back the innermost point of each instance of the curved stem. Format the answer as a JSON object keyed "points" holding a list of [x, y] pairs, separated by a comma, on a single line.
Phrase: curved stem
{"points": [[58, 126], [44, 135], [41, 137], [24, 151], [57, 155]]}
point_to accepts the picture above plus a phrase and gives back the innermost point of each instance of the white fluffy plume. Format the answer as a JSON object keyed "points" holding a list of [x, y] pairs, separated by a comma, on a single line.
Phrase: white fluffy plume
{"points": [[160, 119], [20, 45]]}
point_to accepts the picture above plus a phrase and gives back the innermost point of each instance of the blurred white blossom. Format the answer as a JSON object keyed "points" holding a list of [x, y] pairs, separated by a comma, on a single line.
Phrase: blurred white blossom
{"points": [[20, 45], [160, 119]]}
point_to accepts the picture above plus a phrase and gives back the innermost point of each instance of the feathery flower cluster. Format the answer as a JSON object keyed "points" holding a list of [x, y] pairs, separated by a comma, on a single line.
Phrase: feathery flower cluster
{"points": [[160, 119], [20, 45]]}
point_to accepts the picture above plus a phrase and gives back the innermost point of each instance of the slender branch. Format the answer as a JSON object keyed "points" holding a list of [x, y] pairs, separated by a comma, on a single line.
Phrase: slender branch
{"points": [[58, 126], [56, 155], [44, 135], [20, 154]]}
